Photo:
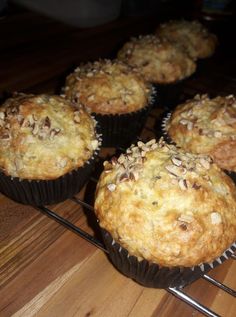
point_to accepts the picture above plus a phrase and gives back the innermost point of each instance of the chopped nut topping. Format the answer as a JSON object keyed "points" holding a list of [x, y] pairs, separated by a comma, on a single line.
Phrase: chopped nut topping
{"points": [[183, 184], [90, 74], [107, 170], [173, 169], [35, 129], [196, 186], [130, 164], [154, 146], [2, 115], [215, 218], [31, 120], [111, 187], [176, 170], [5, 136], [204, 163], [183, 226], [151, 142], [140, 144], [47, 122], [190, 112], [25, 123], [91, 98], [20, 119], [133, 175], [13, 110], [121, 159], [42, 135], [18, 164], [123, 177], [76, 117], [114, 160], [186, 218], [190, 125], [63, 163], [217, 134], [183, 121], [176, 161], [54, 132], [94, 144]]}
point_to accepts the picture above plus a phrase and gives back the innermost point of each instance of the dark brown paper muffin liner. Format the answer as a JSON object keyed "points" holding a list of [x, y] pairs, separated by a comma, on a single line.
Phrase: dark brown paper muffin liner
{"points": [[46, 192], [205, 65], [151, 274], [121, 130], [160, 127], [168, 95], [232, 175], [164, 132]]}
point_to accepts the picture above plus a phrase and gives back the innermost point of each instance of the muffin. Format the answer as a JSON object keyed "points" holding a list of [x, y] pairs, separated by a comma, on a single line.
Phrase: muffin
{"points": [[157, 59], [207, 126], [46, 148], [117, 96], [165, 213], [161, 63], [191, 36]]}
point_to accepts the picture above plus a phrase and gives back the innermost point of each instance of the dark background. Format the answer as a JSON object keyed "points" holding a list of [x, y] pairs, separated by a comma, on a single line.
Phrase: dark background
{"points": [[37, 51]]}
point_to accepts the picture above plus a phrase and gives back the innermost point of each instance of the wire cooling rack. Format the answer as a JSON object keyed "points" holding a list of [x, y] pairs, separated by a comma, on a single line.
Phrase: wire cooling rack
{"points": [[176, 291]]}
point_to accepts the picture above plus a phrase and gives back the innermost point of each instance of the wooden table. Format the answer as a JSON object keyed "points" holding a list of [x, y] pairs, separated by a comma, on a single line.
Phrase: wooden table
{"points": [[45, 269]]}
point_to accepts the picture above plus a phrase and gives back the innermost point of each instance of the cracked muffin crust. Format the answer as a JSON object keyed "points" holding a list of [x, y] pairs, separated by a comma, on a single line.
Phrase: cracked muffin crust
{"points": [[208, 126], [167, 206], [44, 137]]}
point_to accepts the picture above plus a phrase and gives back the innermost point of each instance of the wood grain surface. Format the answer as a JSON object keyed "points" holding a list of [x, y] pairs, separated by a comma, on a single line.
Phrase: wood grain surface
{"points": [[45, 269]]}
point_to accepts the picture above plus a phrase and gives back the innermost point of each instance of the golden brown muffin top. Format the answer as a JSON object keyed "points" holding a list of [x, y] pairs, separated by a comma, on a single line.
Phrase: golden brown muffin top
{"points": [[208, 126], [108, 87], [191, 36], [167, 206], [44, 137], [158, 60]]}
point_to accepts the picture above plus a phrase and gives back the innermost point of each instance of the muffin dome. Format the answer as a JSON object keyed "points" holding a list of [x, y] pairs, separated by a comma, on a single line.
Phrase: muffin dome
{"points": [[108, 87], [207, 126], [167, 206], [191, 36], [44, 137], [157, 59]]}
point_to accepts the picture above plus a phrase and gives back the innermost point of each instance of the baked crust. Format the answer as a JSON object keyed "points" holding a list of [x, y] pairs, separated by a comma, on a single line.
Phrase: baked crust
{"points": [[191, 36], [158, 60], [166, 206], [108, 87], [207, 126], [44, 137]]}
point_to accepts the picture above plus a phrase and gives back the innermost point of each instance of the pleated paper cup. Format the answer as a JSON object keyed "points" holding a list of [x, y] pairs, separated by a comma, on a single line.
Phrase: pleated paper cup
{"points": [[153, 275]]}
